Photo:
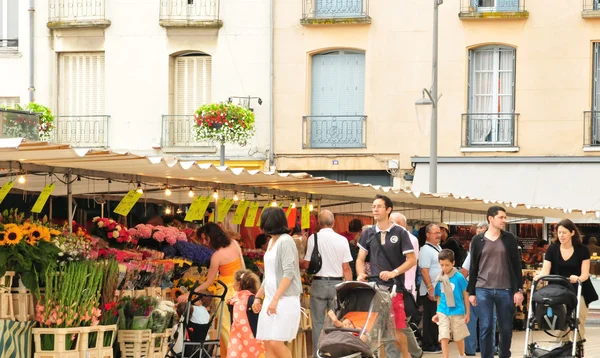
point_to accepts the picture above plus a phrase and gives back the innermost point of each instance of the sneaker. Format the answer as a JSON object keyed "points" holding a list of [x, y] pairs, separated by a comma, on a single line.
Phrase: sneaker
{"points": [[470, 354], [435, 350]]}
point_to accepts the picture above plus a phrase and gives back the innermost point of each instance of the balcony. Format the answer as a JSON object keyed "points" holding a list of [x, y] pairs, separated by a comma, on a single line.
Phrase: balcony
{"points": [[489, 132], [334, 132], [19, 124], [493, 9], [323, 12], [190, 13], [82, 131], [591, 9], [178, 135], [591, 130], [75, 14]]}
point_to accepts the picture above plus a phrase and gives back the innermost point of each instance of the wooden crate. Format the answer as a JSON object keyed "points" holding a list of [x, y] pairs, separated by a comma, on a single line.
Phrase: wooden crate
{"points": [[23, 306], [7, 310], [135, 344], [160, 344], [60, 336], [97, 349], [154, 292]]}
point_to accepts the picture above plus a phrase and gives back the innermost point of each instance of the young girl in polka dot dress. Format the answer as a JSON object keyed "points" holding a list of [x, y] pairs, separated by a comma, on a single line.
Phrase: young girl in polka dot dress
{"points": [[242, 343]]}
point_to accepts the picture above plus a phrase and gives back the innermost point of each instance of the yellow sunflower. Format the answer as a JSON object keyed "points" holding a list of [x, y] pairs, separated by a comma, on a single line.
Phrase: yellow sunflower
{"points": [[54, 232], [12, 234], [35, 233], [26, 226], [2, 238], [45, 233]]}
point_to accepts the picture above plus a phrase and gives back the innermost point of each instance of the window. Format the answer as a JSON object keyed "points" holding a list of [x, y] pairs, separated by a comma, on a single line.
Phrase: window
{"points": [[338, 8], [81, 84], [496, 5], [491, 117], [9, 25], [596, 84], [9, 102], [192, 82], [337, 100]]}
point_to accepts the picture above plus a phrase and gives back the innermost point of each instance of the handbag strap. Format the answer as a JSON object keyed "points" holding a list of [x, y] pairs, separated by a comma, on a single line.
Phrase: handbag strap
{"points": [[316, 248]]}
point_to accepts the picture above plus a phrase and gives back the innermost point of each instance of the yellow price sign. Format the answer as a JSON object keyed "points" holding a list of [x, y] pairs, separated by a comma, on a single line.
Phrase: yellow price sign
{"points": [[239, 212], [5, 189], [211, 218], [251, 217], [305, 217], [41, 200], [197, 208], [224, 208], [127, 203]]}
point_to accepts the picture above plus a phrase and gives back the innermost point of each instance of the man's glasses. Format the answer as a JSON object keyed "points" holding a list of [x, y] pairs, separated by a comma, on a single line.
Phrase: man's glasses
{"points": [[377, 207]]}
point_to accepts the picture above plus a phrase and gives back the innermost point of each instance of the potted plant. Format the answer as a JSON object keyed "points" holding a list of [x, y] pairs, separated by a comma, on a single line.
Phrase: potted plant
{"points": [[224, 123]]}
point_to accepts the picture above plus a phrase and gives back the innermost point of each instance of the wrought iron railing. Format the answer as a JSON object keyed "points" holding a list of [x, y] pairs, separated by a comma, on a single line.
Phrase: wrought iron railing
{"points": [[489, 129], [591, 128], [334, 132], [331, 9], [82, 131], [591, 5], [474, 6], [79, 11], [178, 131], [189, 10], [19, 124], [9, 44]]}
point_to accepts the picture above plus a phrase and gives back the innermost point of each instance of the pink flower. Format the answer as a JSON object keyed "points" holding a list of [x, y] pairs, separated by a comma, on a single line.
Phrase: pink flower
{"points": [[171, 239], [182, 237], [143, 231], [159, 236]]}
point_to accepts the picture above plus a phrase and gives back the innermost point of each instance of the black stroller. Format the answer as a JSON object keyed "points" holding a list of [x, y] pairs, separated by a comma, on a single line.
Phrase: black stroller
{"points": [[195, 342], [554, 307], [368, 308]]}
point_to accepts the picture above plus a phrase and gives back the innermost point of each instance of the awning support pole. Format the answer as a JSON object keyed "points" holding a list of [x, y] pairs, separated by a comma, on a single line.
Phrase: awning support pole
{"points": [[69, 202]]}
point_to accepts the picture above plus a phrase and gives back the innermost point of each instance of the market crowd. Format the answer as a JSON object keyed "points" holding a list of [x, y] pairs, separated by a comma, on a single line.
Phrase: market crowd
{"points": [[444, 291]]}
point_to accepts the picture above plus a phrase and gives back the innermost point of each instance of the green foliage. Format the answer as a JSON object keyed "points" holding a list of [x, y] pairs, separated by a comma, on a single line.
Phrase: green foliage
{"points": [[224, 123]]}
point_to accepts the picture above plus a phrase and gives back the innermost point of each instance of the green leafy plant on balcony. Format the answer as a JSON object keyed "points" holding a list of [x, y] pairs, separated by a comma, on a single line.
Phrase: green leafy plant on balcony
{"points": [[224, 123], [20, 125]]}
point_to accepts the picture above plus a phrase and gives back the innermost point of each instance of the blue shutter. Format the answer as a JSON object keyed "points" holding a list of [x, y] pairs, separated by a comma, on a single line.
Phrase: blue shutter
{"points": [[325, 84], [338, 8], [507, 5]]}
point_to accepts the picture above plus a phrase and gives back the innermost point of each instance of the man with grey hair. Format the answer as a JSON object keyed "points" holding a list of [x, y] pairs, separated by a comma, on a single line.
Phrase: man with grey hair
{"points": [[481, 227], [336, 257], [410, 283], [430, 269]]}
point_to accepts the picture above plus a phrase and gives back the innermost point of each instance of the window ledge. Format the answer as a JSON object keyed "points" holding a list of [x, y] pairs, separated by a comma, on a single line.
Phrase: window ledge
{"points": [[494, 15], [205, 24], [591, 148], [590, 14], [10, 54], [489, 149], [188, 150], [83, 24], [366, 20]]}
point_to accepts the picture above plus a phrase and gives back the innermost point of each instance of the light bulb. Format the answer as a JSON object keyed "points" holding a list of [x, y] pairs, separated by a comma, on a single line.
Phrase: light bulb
{"points": [[191, 193], [168, 211], [310, 207], [274, 203], [168, 192], [216, 195], [139, 189], [22, 179], [293, 205], [235, 197]]}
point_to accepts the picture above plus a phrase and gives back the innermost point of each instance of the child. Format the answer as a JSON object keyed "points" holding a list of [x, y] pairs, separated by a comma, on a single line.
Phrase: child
{"points": [[453, 310], [244, 320], [198, 315], [346, 323]]}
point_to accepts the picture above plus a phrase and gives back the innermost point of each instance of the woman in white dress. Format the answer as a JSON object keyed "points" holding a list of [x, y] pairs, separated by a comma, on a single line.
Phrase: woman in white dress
{"points": [[279, 320]]}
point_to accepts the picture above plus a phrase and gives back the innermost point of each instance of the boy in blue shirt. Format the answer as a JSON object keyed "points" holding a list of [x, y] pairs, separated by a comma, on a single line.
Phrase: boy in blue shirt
{"points": [[453, 308]]}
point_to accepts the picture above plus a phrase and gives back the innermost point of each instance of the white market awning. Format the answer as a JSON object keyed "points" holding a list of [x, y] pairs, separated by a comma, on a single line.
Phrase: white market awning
{"points": [[126, 169]]}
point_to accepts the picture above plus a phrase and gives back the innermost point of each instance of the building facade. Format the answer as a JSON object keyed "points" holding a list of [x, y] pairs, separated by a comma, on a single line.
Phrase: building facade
{"points": [[130, 74], [519, 81]]}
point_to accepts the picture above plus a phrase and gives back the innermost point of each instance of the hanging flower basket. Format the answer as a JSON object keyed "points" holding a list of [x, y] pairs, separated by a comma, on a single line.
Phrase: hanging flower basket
{"points": [[224, 123]]}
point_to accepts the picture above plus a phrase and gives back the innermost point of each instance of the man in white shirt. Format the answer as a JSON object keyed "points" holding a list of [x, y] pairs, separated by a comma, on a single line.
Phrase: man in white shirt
{"points": [[430, 270], [409, 282], [336, 258]]}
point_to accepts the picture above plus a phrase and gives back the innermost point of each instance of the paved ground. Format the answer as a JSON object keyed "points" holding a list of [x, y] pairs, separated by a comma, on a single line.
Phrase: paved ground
{"points": [[592, 346]]}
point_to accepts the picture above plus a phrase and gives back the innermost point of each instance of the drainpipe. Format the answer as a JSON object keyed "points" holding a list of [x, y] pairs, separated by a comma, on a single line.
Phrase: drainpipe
{"points": [[271, 85], [31, 88]]}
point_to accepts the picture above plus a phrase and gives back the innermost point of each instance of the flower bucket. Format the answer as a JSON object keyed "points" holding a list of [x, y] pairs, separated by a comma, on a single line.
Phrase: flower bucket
{"points": [[57, 342], [135, 344], [97, 341]]}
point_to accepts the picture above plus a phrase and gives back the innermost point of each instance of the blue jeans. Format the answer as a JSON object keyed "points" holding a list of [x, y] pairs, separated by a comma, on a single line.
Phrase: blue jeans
{"points": [[488, 301], [471, 340]]}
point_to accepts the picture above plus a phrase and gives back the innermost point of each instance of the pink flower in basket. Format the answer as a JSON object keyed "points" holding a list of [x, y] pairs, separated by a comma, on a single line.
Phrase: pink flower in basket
{"points": [[159, 236], [182, 237]]}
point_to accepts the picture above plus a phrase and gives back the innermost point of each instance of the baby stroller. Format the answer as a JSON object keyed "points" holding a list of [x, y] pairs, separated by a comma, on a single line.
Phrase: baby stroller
{"points": [[195, 342], [554, 307], [368, 308]]}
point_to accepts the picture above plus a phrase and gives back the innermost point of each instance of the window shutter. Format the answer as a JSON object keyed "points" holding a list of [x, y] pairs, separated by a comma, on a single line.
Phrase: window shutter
{"points": [[325, 84], [192, 83], [353, 84], [81, 84], [596, 84]]}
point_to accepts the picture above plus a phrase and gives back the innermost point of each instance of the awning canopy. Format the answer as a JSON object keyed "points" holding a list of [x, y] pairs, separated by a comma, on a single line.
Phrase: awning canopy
{"points": [[125, 170], [566, 184]]}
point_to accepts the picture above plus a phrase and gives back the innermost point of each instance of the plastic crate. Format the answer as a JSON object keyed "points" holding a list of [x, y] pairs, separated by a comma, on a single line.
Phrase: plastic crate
{"points": [[59, 337], [7, 310], [160, 344], [23, 306], [98, 348], [135, 344]]}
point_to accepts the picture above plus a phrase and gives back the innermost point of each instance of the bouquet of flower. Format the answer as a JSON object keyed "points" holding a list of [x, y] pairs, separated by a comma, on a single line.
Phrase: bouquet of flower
{"points": [[162, 316], [135, 312], [160, 234], [112, 231], [73, 247], [198, 254], [224, 123]]}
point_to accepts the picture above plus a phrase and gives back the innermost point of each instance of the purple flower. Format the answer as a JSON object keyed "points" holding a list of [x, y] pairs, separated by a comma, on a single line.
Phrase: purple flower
{"points": [[170, 251], [199, 255]]}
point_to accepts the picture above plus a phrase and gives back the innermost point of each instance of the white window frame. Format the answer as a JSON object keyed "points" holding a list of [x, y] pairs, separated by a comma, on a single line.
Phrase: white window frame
{"points": [[9, 101], [4, 21]]}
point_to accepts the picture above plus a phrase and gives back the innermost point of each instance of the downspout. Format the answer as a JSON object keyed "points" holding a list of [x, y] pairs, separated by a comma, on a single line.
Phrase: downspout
{"points": [[271, 85], [31, 88]]}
